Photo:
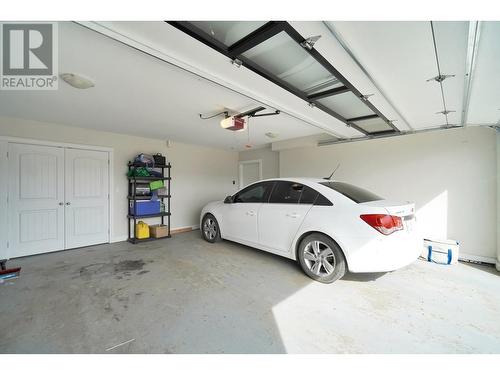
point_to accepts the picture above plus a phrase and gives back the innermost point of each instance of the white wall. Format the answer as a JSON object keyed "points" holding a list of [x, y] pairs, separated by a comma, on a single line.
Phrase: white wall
{"points": [[270, 160], [199, 174], [451, 176], [498, 200]]}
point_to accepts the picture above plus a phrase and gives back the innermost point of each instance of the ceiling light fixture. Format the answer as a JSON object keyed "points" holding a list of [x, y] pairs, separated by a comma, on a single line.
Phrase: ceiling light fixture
{"points": [[77, 81]]}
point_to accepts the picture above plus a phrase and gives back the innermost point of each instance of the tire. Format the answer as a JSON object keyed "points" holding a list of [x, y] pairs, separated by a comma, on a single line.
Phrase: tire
{"points": [[317, 251], [210, 228]]}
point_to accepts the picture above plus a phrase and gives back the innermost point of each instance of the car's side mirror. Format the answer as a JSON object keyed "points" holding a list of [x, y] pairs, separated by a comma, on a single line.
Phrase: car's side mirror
{"points": [[229, 199]]}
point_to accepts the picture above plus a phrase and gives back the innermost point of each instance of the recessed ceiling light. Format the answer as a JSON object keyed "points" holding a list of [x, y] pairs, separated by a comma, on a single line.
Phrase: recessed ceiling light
{"points": [[77, 81], [272, 135]]}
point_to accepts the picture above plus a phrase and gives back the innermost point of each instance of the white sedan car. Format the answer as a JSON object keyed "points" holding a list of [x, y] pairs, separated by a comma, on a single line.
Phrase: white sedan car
{"points": [[329, 227]]}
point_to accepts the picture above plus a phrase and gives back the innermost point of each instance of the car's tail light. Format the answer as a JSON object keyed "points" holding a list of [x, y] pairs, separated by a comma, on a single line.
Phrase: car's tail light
{"points": [[385, 224]]}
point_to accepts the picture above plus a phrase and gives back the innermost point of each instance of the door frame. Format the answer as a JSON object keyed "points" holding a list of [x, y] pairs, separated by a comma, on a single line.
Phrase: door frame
{"points": [[4, 186], [240, 170]]}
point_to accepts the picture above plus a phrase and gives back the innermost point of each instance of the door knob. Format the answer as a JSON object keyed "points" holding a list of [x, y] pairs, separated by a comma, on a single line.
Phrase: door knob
{"points": [[251, 213], [68, 203], [61, 203]]}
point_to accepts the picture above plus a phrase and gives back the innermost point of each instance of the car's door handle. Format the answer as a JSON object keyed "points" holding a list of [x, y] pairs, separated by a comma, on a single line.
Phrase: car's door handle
{"points": [[251, 213], [294, 215]]}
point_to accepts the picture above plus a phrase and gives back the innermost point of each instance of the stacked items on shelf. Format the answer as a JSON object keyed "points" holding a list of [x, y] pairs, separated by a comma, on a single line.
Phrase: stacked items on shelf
{"points": [[148, 188]]}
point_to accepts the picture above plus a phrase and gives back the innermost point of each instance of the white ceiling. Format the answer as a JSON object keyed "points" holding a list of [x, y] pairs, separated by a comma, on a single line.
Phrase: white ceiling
{"points": [[400, 58], [484, 105], [139, 94]]}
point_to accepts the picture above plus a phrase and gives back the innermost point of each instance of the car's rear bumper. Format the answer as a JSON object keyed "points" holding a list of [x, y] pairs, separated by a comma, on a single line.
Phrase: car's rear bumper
{"points": [[382, 254]]}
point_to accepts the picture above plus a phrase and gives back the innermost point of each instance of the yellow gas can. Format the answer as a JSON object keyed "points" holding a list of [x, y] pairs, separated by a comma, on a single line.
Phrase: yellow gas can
{"points": [[141, 230]]}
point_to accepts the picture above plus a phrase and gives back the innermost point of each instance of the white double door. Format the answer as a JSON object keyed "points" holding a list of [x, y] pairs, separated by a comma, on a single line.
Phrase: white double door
{"points": [[58, 198]]}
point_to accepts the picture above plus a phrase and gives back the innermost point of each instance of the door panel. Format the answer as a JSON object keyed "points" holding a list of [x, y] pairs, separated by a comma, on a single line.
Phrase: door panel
{"points": [[87, 197], [250, 172], [240, 221], [280, 219], [36, 196], [279, 223], [240, 216]]}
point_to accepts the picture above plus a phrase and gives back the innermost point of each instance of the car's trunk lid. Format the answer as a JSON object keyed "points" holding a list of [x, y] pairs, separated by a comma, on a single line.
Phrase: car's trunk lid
{"points": [[396, 208]]}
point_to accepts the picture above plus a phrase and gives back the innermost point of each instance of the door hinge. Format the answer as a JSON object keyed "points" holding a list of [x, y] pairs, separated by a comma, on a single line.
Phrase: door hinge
{"points": [[7, 154], [7, 244]]}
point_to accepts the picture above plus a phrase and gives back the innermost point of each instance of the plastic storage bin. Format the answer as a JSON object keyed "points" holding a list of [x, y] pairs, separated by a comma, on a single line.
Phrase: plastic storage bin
{"points": [[144, 207], [440, 251]]}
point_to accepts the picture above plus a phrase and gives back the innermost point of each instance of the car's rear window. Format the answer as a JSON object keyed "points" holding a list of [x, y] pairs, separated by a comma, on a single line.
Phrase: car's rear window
{"points": [[355, 193]]}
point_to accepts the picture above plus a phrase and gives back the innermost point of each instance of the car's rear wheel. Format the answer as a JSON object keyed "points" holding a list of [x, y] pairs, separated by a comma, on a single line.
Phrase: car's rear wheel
{"points": [[321, 258], [210, 228]]}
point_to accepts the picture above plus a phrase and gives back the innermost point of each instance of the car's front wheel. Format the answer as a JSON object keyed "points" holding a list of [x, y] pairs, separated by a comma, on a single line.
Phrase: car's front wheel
{"points": [[321, 258], [210, 228]]}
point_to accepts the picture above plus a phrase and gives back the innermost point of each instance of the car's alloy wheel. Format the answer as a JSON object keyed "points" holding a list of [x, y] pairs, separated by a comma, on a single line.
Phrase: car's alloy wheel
{"points": [[210, 228], [321, 258]]}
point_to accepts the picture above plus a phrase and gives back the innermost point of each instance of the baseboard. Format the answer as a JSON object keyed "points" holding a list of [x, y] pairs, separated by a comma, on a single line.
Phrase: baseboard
{"points": [[182, 230], [172, 231], [118, 239], [477, 258]]}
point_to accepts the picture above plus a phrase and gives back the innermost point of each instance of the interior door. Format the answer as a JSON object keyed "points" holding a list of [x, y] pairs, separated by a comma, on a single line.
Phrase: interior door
{"points": [[240, 217], [36, 199], [280, 219], [250, 172], [87, 197]]}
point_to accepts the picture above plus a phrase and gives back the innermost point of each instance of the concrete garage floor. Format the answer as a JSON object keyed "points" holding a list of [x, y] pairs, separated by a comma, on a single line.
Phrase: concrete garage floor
{"points": [[184, 295]]}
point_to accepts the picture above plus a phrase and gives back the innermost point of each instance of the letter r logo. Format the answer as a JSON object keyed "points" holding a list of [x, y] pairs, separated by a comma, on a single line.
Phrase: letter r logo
{"points": [[27, 49]]}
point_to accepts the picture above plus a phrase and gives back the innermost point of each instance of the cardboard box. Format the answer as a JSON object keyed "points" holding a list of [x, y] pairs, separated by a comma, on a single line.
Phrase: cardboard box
{"points": [[158, 230]]}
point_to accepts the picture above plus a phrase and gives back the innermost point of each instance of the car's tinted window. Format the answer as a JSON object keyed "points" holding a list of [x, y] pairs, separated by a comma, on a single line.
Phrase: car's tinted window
{"points": [[308, 195], [286, 192], [322, 201], [355, 193], [257, 193]]}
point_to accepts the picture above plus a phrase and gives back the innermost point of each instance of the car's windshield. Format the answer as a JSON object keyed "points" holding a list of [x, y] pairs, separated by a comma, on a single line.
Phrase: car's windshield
{"points": [[355, 193]]}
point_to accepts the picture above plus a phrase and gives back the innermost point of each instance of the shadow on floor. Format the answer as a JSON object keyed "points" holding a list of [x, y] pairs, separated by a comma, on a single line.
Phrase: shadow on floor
{"points": [[363, 277], [490, 268]]}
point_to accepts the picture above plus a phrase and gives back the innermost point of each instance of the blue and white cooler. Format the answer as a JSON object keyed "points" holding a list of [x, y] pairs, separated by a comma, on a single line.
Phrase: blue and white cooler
{"points": [[440, 251]]}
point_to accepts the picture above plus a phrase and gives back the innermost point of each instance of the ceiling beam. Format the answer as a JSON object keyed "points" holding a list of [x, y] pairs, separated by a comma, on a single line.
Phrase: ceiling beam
{"points": [[362, 118], [256, 37], [470, 63], [326, 93]]}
